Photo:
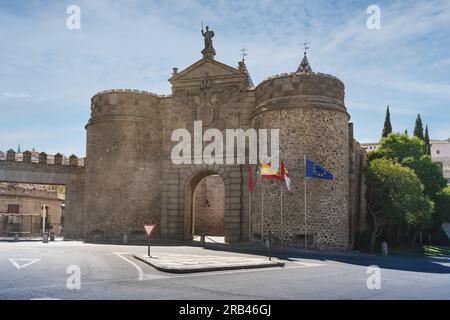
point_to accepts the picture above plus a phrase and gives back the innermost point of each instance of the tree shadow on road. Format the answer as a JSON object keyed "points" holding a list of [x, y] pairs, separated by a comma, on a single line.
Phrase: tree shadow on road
{"points": [[439, 265]]}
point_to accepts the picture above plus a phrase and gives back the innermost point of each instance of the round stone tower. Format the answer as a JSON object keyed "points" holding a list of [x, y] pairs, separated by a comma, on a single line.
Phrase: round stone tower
{"points": [[309, 110], [123, 164]]}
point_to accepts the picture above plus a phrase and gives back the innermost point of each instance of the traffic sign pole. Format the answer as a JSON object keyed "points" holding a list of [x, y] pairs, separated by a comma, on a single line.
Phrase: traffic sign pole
{"points": [[149, 228], [149, 247]]}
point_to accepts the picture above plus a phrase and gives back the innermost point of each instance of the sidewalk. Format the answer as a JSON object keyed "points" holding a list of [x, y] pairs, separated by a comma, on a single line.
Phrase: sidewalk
{"points": [[187, 263], [277, 251], [28, 239]]}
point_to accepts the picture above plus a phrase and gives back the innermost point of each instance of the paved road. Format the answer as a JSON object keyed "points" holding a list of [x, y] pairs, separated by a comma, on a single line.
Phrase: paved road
{"points": [[110, 272]]}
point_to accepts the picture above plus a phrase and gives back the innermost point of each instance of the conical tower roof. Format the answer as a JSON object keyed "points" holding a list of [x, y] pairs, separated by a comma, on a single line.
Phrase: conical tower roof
{"points": [[304, 66], [248, 78]]}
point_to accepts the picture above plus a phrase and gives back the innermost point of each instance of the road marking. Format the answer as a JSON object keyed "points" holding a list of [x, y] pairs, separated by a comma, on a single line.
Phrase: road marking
{"points": [[308, 264], [149, 276], [28, 262], [142, 276]]}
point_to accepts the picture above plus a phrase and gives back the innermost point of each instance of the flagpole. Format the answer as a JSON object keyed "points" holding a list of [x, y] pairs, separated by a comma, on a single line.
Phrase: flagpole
{"points": [[281, 214], [249, 216], [262, 212], [305, 200]]}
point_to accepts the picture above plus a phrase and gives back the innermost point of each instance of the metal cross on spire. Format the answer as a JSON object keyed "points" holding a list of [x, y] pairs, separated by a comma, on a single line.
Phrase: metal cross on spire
{"points": [[306, 46], [244, 52], [304, 66], [243, 68]]}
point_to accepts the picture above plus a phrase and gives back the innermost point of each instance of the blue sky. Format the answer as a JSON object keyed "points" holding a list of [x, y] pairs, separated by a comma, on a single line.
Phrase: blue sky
{"points": [[49, 73]]}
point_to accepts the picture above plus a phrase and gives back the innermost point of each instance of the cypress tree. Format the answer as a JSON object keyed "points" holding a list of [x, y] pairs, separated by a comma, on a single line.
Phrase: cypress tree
{"points": [[387, 124], [406, 131], [427, 142], [418, 129]]}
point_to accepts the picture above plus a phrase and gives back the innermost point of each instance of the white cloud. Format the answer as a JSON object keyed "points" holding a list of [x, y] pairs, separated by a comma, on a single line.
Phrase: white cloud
{"points": [[135, 44], [15, 95]]}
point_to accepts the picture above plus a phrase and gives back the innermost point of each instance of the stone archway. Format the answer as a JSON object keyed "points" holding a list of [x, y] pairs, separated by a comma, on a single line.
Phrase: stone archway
{"points": [[208, 207], [232, 202]]}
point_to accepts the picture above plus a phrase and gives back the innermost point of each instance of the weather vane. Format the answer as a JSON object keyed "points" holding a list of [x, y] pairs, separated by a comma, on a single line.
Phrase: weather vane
{"points": [[306, 46], [244, 53]]}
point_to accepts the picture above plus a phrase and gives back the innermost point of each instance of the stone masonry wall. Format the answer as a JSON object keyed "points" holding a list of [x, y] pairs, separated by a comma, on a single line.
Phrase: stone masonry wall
{"points": [[123, 165], [209, 206], [309, 111]]}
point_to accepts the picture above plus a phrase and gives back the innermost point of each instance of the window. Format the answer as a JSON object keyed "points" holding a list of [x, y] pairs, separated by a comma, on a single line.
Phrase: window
{"points": [[13, 208]]}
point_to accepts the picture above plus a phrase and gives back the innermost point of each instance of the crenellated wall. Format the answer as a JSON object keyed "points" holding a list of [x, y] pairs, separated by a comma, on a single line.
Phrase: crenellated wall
{"points": [[51, 170]]}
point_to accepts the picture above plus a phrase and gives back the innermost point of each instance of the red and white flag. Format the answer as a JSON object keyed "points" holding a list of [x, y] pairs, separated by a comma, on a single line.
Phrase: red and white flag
{"points": [[285, 176], [250, 178]]}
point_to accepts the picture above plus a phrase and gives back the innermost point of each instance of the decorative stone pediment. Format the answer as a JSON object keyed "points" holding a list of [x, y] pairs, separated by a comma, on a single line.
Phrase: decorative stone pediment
{"points": [[207, 69]]}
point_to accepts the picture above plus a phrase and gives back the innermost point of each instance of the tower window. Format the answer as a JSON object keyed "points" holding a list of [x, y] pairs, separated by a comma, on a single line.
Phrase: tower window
{"points": [[13, 208]]}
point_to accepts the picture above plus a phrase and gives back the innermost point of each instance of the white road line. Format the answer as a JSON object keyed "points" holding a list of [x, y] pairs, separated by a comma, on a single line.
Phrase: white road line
{"points": [[16, 262], [142, 275], [140, 271], [308, 264]]}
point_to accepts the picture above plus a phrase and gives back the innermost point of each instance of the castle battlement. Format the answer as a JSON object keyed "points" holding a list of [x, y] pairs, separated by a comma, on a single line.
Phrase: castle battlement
{"points": [[290, 74], [148, 93], [41, 158]]}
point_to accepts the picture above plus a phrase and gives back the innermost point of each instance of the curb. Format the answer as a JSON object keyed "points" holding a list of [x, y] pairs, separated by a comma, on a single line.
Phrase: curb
{"points": [[206, 269]]}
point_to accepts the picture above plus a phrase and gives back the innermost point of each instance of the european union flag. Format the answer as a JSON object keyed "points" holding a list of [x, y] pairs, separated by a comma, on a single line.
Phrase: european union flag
{"points": [[316, 171]]}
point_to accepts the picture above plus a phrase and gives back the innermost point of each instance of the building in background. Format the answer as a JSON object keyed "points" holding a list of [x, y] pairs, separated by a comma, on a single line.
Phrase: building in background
{"points": [[440, 152], [370, 146], [22, 205]]}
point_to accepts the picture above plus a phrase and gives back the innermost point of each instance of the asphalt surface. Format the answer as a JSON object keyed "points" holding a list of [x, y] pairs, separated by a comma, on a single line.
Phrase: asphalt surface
{"points": [[34, 270]]}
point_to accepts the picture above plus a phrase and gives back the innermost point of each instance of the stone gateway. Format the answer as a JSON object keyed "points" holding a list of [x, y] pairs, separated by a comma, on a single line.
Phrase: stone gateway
{"points": [[129, 179]]}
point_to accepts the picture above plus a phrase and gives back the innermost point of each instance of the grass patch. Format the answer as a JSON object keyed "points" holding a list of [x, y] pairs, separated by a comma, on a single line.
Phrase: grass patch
{"points": [[436, 250], [415, 250]]}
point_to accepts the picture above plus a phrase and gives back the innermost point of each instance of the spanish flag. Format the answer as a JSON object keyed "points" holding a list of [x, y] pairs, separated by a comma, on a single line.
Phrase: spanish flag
{"points": [[280, 174], [268, 173]]}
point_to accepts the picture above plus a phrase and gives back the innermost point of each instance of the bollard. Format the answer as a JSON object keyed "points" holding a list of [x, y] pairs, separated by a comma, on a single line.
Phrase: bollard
{"points": [[384, 248], [124, 238], [45, 238], [202, 239], [52, 236], [16, 237]]}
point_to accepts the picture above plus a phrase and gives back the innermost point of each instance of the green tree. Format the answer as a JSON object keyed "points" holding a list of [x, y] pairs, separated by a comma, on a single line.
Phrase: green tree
{"points": [[418, 129], [394, 196], [387, 128], [442, 211], [427, 142], [398, 146], [429, 173]]}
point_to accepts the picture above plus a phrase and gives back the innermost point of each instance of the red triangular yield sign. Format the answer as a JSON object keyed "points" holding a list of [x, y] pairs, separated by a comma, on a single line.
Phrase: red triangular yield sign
{"points": [[149, 228]]}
